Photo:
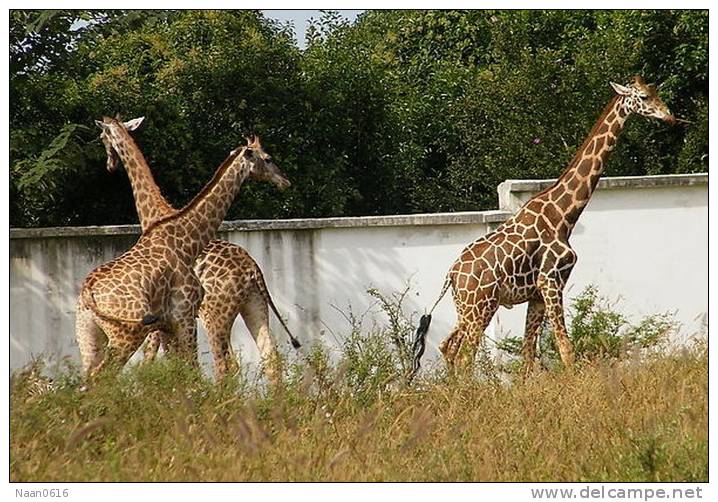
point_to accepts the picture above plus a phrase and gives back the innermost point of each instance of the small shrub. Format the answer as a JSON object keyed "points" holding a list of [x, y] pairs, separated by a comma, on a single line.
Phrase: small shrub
{"points": [[368, 365], [375, 359], [594, 327], [597, 331], [401, 327], [651, 331]]}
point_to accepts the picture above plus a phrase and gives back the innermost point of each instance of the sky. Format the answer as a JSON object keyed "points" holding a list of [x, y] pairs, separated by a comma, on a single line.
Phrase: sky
{"points": [[300, 19]]}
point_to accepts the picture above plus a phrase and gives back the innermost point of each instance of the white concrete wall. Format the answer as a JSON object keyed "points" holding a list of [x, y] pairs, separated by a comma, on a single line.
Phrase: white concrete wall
{"points": [[643, 239]]}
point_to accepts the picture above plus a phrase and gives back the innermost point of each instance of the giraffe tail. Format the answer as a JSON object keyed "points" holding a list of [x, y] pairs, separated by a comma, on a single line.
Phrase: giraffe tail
{"points": [[262, 286], [419, 342], [89, 300]]}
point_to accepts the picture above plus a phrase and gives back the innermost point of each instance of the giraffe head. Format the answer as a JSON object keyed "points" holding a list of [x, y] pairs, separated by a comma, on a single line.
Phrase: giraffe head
{"points": [[110, 129], [261, 165], [643, 99]]}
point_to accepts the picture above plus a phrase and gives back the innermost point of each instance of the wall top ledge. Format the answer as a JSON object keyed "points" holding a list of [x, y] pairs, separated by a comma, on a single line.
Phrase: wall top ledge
{"points": [[458, 218], [666, 180]]}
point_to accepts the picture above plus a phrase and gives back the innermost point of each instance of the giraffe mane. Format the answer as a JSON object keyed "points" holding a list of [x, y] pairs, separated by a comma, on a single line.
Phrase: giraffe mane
{"points": [[579, 152]]}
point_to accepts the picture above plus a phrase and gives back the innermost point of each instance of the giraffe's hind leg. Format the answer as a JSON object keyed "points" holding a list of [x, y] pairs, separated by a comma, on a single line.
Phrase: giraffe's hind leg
{"points": [[123, 341], [154, 340], [255, 313], [218, 325], [450, 346], [534, 321], [476, 301], [90, 338], [477, 320], [186, 340], [185, 302], [459, 348]]}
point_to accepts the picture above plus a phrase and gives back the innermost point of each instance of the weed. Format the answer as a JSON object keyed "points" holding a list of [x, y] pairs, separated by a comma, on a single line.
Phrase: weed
{"points": [[165, 422], [352, 418]]}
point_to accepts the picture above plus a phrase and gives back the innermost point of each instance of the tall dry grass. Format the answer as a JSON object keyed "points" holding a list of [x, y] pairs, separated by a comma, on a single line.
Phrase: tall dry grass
{"points": [[640, 419]]}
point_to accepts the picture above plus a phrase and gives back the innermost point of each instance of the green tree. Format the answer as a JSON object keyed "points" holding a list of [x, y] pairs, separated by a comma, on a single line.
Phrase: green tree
{"points": [[482, 96], [401, 111]]}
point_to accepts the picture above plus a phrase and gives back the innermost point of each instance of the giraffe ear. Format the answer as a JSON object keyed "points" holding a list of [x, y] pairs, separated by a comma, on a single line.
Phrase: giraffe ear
{"points": [[99, 124], [133, 124], [620, 89]]}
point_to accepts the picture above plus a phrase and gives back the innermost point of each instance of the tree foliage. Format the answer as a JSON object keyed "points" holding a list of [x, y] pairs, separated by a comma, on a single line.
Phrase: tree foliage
{"points": [[402, 111]]}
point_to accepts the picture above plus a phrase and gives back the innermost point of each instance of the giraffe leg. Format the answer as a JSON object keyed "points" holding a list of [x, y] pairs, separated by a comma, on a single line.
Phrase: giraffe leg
{"points": [[122, 343], [469, 332], [552, 293], [90, 338], [450, 346], [185, 303], [479, 318], [152, 346], [256, 316], [180, 339], [534, 321], [219, 336], [185, 345]]}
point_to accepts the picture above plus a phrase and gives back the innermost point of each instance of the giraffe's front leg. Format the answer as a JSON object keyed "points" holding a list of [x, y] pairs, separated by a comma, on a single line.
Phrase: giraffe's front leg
{"points": [[558, 261], [552, 293]]}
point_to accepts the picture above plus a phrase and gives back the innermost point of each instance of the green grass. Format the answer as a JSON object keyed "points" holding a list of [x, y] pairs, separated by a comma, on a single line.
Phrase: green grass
{"points": [[634, 420]]}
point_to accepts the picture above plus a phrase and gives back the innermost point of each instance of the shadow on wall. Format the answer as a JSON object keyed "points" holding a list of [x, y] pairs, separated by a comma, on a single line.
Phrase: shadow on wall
{"points": [[45, 278], [316, 277], [313, 275]]}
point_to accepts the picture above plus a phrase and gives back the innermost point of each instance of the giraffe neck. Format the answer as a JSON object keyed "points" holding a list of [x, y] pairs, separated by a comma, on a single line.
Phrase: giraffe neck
{"points": [[574, 187], [149, 202], [196, 224]]}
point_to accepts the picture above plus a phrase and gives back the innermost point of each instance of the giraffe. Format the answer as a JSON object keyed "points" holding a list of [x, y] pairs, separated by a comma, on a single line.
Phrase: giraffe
{"points": [[152, 286], [528, 258], [232, 281]]}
